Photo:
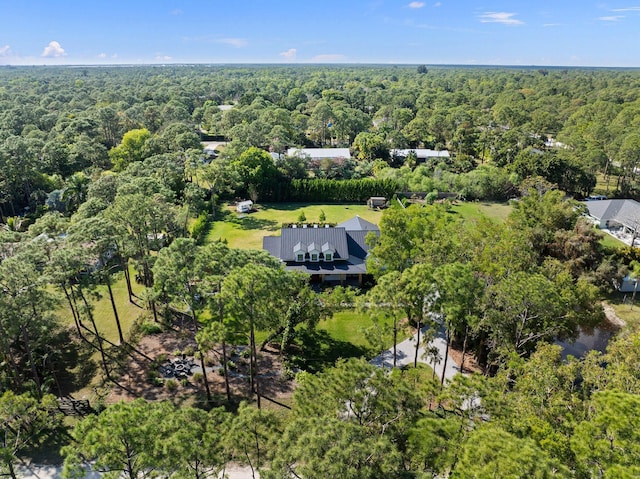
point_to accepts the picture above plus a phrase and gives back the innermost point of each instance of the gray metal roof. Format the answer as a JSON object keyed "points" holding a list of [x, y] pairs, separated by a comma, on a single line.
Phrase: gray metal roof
{"points": [[357, 244], [319, 153], [626, 212], [421, 153], [347, 239], [313, 238], [272, 245], [358, 224]]}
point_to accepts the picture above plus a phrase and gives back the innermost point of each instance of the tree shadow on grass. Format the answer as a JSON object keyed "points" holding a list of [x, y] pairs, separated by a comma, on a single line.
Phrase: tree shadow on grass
{"points": [[252, 223], [320, 350], [284, 206], [76, 367], [247, 221], [48, 452]]}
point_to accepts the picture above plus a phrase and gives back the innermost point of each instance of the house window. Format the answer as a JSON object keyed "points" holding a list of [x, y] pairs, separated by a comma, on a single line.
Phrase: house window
{"points": [[328, 257], [300, 257], [314, 256]]}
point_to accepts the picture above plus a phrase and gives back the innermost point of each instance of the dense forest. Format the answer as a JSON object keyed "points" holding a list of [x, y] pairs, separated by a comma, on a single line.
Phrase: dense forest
{"points": [[103, 179], [60, 126]]}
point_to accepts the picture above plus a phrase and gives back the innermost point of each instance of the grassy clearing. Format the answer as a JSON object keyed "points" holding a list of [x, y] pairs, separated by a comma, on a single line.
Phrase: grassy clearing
{"points": [[474, 209], [609, 241], [603, 187], [103, 312], [628, 312], [500, 212], [247, 231], [341, 336], [348, 326]]}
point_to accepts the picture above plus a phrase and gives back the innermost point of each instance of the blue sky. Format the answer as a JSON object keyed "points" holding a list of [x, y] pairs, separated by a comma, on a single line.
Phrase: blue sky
{"points": [[495, 32]]}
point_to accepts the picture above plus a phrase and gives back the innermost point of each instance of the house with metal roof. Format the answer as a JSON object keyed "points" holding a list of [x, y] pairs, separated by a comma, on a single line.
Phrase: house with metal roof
{"points": [[315, 154], [422, 154], [615, 214], [327, 253]]}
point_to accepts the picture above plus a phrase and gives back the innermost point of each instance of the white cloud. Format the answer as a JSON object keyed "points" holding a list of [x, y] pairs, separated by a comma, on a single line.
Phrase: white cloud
{"points": [[235, 42], [290, 54], [163, 58], [437, 4], [328, 57], [53, 50], [549, 25], [416, 5], [102, 55], [500, 17], [627, 9], [5, 51], [612, 18]]}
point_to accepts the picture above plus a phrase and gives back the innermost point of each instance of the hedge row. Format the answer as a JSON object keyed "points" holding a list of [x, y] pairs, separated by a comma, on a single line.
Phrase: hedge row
{"points": [[336, 191]]}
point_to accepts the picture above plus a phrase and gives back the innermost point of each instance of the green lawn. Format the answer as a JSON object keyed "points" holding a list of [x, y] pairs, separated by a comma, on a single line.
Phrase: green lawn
{"points": [[603, 187], [247, 231], [103, 311], [629, 313], [343, 336], [473, 209], [349, 326], [611, 242]]}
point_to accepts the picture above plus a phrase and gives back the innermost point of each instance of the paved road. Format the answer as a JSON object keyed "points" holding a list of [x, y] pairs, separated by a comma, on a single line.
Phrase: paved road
{"points": [[406, 351]]}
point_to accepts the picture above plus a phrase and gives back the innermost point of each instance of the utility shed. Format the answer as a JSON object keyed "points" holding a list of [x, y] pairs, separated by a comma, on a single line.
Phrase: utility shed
{"points": [[377, 202], [244, 206]]}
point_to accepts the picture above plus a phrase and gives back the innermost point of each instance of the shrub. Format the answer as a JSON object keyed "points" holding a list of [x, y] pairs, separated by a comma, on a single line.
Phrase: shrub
{"points": [[189, 350], [198, 377], [148, 327], [287, 371], [209, 361], [161, 358], [199, 227], [171, 384], [431, 197]]}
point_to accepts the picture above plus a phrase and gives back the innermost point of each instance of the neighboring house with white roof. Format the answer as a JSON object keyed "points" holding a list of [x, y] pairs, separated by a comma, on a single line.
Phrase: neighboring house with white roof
{"points": [[422, 154], [620, 217], [615, 214], [315, 154]]}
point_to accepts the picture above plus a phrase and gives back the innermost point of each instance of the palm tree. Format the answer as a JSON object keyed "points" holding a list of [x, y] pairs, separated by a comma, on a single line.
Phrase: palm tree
{"points": [[75, 192], [431, 352]]}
